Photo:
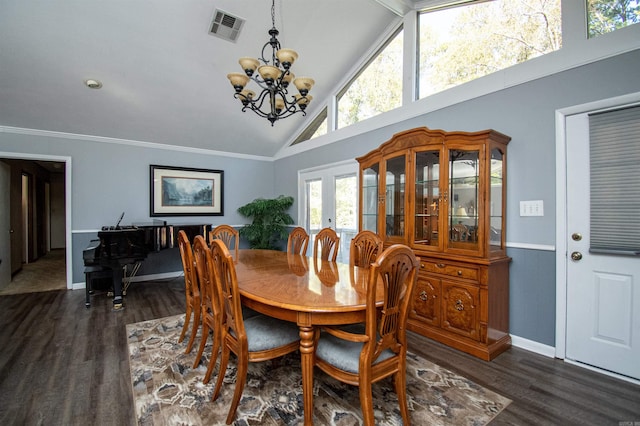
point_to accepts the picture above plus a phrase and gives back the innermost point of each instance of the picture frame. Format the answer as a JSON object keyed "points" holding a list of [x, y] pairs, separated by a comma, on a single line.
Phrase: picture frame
{"points": [[183, 191]]}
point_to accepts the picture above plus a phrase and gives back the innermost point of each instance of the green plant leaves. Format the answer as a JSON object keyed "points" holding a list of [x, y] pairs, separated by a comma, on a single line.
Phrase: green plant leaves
{"points": [[270, 220]]}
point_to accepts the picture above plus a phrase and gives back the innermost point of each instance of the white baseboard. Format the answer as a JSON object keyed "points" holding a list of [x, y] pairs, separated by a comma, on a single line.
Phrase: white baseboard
{"points": [[530, 345]]}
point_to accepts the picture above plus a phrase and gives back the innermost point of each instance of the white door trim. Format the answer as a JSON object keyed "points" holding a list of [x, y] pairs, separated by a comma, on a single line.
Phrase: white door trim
{"points": [[67, 196], [561, 205]]}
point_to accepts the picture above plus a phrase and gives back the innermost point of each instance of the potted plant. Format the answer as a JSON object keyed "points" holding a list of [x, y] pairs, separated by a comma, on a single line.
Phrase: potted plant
{"points": [[270, 220]]}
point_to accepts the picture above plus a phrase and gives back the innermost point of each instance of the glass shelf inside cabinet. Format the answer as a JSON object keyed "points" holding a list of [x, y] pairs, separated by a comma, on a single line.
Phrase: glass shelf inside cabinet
{"points": [[495, 199], [427, 198], [395, 196], [370, 177], [464, 183]]}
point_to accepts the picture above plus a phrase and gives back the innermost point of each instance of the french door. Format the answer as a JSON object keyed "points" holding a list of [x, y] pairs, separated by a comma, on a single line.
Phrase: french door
{"points": [[329, 199]]}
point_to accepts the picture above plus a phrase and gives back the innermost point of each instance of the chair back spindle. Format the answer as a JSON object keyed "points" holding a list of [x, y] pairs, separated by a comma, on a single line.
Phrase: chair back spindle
{"points": [[228, 235], [298, 241], [326, 245], [364, 249]]}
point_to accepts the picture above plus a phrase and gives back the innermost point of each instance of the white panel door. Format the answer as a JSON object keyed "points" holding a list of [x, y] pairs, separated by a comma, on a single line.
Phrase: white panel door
{"points": [[603, 290]]}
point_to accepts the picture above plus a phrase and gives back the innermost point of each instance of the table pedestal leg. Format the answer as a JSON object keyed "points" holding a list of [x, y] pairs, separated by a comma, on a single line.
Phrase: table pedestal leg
{"points": [[307, 359]]}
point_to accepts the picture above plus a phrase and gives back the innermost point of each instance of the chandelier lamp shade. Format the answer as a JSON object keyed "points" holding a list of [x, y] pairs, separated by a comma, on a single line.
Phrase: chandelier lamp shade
{"points": [[273, 77]]}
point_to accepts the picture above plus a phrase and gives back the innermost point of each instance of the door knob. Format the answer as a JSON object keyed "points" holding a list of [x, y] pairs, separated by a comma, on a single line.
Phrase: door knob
{"points": [[576, 236], [576, 255]]}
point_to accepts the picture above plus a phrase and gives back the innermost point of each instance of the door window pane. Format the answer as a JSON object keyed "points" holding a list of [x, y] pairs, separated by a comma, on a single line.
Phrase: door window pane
{"points": [[615, 181], [314, 204], [346, 191], [346, 201]]}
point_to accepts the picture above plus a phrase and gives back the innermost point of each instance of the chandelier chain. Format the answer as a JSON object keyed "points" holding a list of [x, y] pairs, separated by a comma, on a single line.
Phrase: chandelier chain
{"points": [[273, 14]]}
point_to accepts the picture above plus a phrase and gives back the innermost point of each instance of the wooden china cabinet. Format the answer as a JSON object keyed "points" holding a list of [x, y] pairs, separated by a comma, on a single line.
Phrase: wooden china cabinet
{"points": [[443, 194]]}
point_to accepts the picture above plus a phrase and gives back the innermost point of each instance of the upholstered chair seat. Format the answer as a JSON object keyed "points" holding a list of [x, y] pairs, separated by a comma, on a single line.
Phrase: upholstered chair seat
{"points": [[265, 333]]}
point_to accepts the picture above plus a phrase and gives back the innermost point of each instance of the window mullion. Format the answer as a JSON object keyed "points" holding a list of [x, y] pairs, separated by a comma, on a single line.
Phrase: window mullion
{"points": [[410, 58]]}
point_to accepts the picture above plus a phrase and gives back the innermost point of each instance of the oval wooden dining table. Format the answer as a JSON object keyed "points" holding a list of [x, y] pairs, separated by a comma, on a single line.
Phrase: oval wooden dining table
{"points": [[305, 291]]}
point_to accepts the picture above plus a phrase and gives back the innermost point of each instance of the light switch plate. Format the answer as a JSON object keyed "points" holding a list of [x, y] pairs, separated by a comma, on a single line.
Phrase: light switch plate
{"points": [[532, 208]]}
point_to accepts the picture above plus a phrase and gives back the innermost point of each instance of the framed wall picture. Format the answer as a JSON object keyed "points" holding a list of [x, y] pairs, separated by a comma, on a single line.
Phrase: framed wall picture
{"points": [[181, 191]]}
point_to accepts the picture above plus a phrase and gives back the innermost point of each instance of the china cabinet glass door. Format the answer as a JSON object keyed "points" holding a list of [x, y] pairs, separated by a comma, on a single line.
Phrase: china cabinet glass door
{"points": [[427, 198], [370, 177], [496, 223], [464, 181], [395, 198]]}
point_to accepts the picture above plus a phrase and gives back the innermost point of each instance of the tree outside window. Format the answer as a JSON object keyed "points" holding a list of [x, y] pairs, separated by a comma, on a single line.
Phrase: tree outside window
{"points": [[605, 16], [377, 89], [460, 44]]}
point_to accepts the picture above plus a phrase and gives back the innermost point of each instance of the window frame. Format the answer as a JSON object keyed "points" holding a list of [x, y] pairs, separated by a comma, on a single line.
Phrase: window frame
{"points": [[345, 88], [577, 50]]}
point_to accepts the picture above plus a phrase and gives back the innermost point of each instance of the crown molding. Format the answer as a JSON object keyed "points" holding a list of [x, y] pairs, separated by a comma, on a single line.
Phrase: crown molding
{"points": [[129, 142]]}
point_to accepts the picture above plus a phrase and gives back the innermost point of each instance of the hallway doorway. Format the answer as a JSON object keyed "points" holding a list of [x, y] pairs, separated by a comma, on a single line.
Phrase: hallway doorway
{"points": [[39, 230]]}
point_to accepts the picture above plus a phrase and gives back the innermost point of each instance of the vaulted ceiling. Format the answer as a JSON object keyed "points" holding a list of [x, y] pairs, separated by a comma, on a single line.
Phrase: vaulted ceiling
{"points": [[163, 74]]}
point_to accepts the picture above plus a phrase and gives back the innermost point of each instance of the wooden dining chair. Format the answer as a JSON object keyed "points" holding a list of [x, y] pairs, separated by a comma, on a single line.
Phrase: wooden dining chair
{"points": [[364, 249], [229, 236], [211, 305], [362, 358], [254, 339], [328, 242], [298, 241], [192, 290]]}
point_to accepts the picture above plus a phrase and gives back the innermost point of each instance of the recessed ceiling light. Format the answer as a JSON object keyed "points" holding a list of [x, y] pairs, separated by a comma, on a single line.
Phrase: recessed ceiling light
{"points": [[93, 84]]}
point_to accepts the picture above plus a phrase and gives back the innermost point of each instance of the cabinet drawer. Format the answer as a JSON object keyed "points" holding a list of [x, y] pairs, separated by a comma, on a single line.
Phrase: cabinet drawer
{"points": [[452, 270]]}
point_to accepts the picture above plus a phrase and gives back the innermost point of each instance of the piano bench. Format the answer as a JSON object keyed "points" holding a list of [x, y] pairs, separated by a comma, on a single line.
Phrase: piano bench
{"points": [[91, 274]]}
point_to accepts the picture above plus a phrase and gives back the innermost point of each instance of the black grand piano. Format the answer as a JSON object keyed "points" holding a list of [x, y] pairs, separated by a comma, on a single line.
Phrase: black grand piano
{"points": [[119, 247]]}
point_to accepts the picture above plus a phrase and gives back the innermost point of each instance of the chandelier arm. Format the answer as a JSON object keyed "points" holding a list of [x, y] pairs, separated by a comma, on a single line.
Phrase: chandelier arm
{"points": [[256, 104], [290, 113]]}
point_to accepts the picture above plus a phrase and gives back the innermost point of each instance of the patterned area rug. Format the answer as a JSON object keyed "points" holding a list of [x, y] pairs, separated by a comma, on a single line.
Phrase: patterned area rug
{"points": [[167, 391]]}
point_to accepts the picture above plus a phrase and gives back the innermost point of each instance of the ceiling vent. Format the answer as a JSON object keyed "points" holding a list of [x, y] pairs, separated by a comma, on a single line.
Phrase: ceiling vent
{"points": [[226, 26]]}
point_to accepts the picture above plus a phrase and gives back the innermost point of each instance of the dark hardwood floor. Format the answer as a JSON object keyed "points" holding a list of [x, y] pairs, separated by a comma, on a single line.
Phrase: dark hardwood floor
{"points": [[62, 364]]}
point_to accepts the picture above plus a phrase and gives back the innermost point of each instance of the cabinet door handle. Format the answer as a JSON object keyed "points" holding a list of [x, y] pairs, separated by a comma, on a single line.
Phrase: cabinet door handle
{"points": [[423, 296], [459, 272], [459, 305], [440, 265]]}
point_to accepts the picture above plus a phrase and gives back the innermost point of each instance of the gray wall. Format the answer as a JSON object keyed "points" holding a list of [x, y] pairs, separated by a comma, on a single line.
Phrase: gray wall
{"points": [[108, 178], [526, 113]]}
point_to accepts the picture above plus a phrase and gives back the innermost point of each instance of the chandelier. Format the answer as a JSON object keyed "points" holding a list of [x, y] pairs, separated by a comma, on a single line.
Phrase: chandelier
{"points": [[273, 77]]}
